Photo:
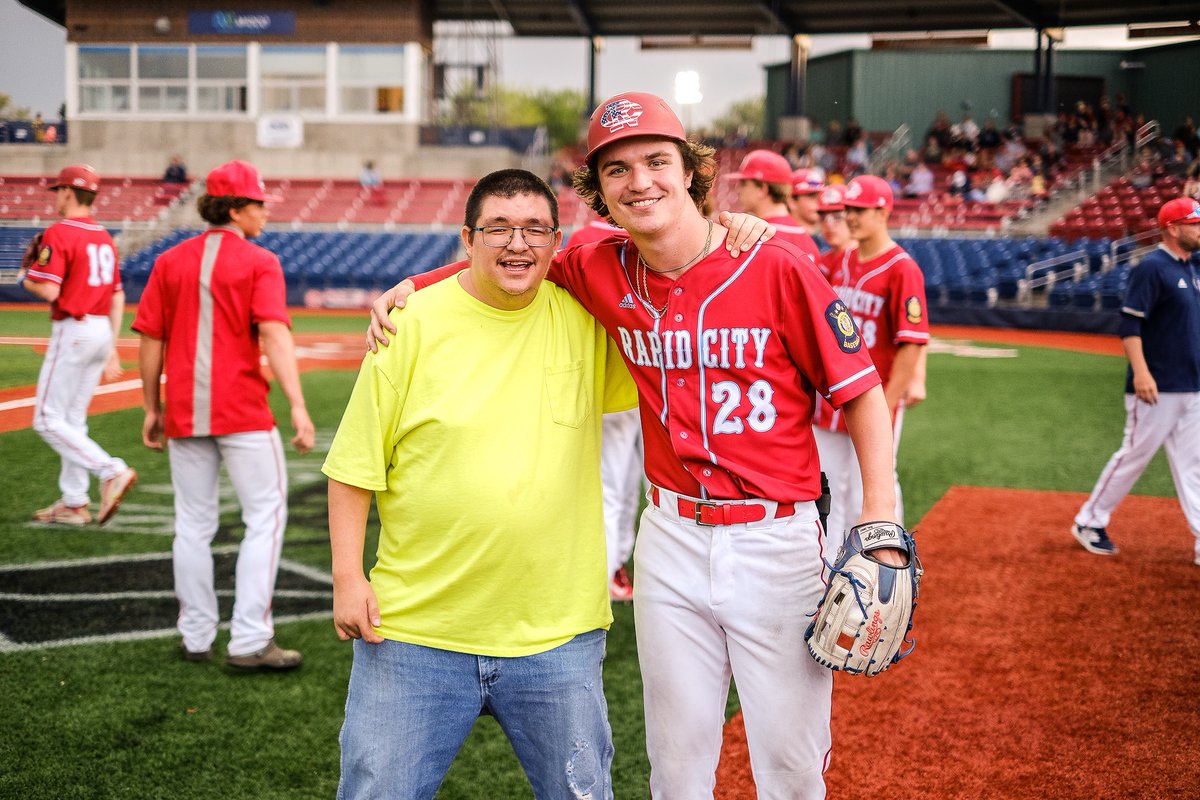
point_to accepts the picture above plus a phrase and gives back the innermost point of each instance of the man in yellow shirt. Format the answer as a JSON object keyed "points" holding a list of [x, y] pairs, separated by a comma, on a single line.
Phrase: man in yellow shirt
{"points": [[490, 589]]}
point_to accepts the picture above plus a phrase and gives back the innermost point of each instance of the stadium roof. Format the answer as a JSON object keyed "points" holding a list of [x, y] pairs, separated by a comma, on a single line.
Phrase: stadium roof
{"points": [[766, 17]]}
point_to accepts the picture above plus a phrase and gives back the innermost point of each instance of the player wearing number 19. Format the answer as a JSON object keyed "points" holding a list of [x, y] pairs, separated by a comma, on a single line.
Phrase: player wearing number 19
{"points": [[75, 269]]}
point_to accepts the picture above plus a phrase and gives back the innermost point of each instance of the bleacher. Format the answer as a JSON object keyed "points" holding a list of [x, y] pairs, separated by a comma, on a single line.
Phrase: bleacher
{"points": [[423, 201], [327, 259], [121, 199], [1119, 209]]}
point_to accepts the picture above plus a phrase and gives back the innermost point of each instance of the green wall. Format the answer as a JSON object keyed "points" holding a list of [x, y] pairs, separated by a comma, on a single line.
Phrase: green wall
{"points": [[1168, 87], [884, 89]]}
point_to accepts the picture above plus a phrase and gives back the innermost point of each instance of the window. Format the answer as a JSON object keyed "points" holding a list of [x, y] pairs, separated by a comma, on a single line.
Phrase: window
{"points": [[220, 79], [105, 78], [371, 80], [162, 78], [293, 79]]}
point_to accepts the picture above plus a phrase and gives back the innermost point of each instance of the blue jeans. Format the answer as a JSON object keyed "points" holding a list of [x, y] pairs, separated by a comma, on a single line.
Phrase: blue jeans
{"points": [[410, 708]]}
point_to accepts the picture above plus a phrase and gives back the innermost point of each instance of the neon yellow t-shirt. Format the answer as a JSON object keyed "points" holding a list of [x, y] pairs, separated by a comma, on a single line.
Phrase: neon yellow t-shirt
{"points": [[479, 431]]}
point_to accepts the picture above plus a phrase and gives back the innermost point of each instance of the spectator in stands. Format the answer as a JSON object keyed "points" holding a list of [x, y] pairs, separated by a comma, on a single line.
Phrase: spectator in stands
{"points": [[1186, 133], [940, 130], [891, 174], [1104, 117], [854, 132], [997, 188], [931, 153], [370, 178], [39, 128], [1179, 159], [857, 158], [176, 172], [816, 135], [965, 133], [920, 181], [960, 184], [1012, 151], [1191, 186]]}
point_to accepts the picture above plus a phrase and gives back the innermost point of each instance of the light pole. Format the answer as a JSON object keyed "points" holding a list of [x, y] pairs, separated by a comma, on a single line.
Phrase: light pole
{"points": [[687, 94]]}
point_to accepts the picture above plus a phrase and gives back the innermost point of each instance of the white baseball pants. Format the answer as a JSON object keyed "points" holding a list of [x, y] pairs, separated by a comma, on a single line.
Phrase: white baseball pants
{"points": [[1173, 422], [69, 376], [839, 462], [255, 463], [621, 473], [726, 600]]}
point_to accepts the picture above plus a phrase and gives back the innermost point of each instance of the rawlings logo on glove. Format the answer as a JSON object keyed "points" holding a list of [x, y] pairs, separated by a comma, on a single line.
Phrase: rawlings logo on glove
{"points": [[864, 619]]}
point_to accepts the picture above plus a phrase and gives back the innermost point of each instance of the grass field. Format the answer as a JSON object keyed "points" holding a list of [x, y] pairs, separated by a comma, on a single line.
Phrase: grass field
{"points": [[127, 718]]}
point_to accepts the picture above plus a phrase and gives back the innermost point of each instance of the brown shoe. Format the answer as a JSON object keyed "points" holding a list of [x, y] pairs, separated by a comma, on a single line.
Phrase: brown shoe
{"points": [[270, 657], [62, 514], [113, 491]]}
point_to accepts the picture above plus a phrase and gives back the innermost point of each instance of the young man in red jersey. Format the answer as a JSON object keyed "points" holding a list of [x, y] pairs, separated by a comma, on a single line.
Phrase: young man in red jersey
{"points": [[214, 305], [884, 290], [77, 271], [764, 181]]}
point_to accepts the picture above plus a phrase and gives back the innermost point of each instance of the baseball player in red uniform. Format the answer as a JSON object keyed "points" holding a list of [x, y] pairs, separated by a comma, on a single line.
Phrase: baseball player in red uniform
{"points": [[832, 213], [806, 191], [764, 184], [620, 457], [885, 292], [77, 271], [726, 352], [209, 302]]}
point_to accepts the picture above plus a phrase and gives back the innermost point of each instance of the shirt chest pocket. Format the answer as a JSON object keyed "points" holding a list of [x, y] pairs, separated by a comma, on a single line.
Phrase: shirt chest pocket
{"points": [[570, 401]]}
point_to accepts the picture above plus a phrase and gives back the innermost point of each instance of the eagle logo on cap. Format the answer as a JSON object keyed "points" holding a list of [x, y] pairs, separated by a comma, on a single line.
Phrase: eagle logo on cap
{"points": [[830, 197], [620, 114], [853, 191]]}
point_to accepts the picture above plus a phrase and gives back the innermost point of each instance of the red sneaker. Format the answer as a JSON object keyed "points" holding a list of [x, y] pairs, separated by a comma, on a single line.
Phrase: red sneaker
{"points": [[620, 587]]}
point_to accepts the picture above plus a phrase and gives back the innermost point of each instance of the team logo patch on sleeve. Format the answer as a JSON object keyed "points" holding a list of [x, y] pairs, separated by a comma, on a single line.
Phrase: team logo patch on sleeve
{"points": [[44, 255], [912, 309], [842, 323]]}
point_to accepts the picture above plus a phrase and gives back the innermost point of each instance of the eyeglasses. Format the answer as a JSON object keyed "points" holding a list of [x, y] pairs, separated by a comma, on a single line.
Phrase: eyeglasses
{"points": [[832, 216], [502, 235]]}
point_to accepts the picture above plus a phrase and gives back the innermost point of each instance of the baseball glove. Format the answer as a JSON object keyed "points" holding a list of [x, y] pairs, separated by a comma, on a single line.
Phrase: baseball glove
{"points": [[31, 255], [864, 619]]}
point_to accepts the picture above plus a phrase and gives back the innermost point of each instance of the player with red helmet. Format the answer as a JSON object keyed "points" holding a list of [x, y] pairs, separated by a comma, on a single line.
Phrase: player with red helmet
{"points": [[806, 191], [75, 268], [764, 183], [832, 213], [885, 291]]}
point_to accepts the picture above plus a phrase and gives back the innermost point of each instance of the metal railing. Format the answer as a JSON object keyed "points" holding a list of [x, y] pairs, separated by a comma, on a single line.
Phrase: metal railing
{"points": [[892, 149]]}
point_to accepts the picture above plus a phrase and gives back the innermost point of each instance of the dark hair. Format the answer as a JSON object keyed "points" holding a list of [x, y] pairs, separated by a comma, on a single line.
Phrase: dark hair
{"points": [[215, 208], [507, 183], [83, 196], [699, 159]]}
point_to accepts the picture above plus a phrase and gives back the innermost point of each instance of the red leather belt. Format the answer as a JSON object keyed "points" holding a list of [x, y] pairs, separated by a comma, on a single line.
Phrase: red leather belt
{"points": [[714, 512]]}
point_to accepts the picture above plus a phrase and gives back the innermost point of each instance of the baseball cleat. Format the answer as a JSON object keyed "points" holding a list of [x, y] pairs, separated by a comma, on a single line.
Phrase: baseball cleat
{"points": [[113, 491], [620, 587], [62, 514], [1094, 540], [270, 657]]}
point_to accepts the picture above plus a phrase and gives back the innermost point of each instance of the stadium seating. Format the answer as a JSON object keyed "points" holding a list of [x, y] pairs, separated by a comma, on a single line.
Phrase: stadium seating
{"points": [[121, 198], [424, 201], [333, 259], [1119, 209]]}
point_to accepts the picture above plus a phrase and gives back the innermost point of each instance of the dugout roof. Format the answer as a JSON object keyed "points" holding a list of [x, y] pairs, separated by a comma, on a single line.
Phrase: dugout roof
{"points": [[767, 17]]}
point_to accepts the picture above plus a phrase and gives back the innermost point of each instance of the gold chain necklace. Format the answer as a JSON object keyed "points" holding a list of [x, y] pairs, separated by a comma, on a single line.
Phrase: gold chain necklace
{"points": [[642, 284]]}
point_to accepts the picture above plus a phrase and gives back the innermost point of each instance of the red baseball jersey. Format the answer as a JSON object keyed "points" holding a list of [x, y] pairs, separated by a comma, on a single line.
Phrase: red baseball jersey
{"points": [[727, 359], [204, 300], [595, 231], [829, 261], [886, 296], [787, 230], [81, 258]]}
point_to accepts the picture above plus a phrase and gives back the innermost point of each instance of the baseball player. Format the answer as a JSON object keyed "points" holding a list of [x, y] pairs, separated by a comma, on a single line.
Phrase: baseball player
{"points": [[1160, 331], [764, 184], [885, 292], [620, 458], [807, 184], [73, 265], [725, 351], [832, 213], [209, 302]]}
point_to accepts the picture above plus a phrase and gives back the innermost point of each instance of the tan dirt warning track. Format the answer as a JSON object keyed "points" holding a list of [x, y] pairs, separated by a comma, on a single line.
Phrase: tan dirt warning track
{"points": [[1041, 671]]}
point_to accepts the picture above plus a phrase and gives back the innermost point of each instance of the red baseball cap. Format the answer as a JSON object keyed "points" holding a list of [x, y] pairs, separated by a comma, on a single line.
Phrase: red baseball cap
{"points": [[807, 181], [1180, 211], [832, 198], [78, 176], [763, 165], [239, 179], [632, 114], [868, 191]]}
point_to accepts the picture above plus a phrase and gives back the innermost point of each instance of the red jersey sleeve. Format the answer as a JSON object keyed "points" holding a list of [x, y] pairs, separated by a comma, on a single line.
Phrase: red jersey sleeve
{"points": [[268, 303], [426, 279], [908, 308], [51, 263]]}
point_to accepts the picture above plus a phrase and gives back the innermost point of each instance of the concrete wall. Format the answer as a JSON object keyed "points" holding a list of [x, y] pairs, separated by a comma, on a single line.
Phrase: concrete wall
{"points": [[335, 150]]}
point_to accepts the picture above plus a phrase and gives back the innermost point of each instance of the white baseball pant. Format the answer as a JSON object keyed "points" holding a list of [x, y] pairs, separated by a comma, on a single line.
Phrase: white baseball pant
{"points": [[1173, 422], [621, 473], [69, 376], [839, 462], [256, 467], [734, 600]]}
